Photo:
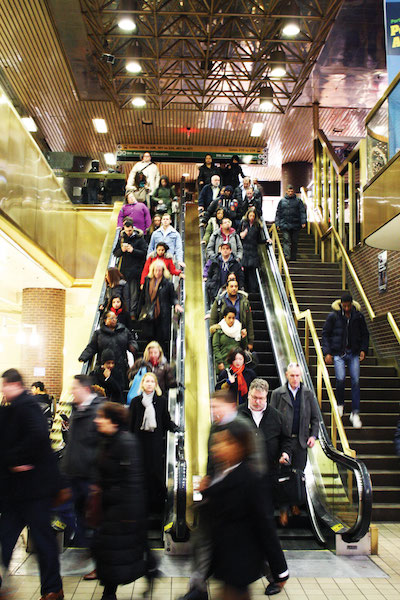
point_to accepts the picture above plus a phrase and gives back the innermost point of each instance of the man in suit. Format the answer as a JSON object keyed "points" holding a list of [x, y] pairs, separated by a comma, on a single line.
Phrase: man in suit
{"points": [[29, 481], [298, 408]]}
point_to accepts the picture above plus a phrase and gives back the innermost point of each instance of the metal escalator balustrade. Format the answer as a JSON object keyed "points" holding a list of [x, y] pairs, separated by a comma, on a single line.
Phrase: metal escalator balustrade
{"points": [[339, 488]]}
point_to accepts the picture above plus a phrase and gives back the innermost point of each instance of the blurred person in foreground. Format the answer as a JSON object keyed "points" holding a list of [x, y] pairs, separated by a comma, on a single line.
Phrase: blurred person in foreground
{"points": [[30, 481]]}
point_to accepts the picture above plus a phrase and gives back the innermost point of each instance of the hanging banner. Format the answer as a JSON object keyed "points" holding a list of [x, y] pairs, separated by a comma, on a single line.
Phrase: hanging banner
{"points": [[159, 153]]}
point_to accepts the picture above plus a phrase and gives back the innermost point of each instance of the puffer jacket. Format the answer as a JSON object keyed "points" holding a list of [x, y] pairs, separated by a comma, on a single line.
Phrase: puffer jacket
{"points": [[217, 238], [213, 282], [290, 214], [222, 344], [132, 262], [334, 332], [120, 544]]}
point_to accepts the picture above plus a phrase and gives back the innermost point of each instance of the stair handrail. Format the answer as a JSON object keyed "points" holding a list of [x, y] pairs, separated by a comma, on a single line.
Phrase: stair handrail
{"points": [[345, 262], [322, 371]]}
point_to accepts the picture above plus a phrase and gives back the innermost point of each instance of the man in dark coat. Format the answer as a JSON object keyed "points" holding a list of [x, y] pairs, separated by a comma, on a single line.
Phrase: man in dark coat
{"points": [[225, 200], [30, 481], [299, 410], [79, 459], [206, 171], [132, 247], [116, 337], [219, 270], [209, 193], [103, 376], [345, 340], [290, 219]]}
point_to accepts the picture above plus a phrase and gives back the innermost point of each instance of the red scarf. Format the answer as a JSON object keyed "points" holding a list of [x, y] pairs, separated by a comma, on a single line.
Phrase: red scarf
{"points": [[153, 362], [116, 311], [242, 385]]}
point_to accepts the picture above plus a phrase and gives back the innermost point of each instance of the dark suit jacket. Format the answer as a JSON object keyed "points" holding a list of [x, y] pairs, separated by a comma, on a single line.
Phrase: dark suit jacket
{"points": [[273, 432], [309, 414]]}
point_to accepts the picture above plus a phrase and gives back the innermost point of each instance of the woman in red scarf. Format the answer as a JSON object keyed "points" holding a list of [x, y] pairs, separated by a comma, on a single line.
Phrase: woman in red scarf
{"points": [[117, 306], [237, 377]]}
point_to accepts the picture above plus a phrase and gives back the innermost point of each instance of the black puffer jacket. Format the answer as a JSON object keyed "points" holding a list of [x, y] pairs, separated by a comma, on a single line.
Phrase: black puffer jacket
{"points": [[250, 243], [119, 340], [205, 174], [214, 283], [120, 544], [132, 262], [291, 213], [334, 332]]}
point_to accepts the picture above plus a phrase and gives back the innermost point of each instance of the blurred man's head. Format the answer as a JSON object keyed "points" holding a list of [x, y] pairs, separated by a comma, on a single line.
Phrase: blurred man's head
{"points": [[226, 224], [290, 191], [246, 182], [81, 388], [223, 404], [12, 384], [347, 303], [232, 287]]}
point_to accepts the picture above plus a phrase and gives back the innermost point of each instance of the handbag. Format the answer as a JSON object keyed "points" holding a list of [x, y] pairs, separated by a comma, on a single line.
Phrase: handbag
{"points": [[147, 312], [94, 508], [134, 390], [291, 486]]}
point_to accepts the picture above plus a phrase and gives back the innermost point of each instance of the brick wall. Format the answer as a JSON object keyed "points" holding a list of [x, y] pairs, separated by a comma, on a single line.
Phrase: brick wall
{"points": [[365, 262], [44, 308]]}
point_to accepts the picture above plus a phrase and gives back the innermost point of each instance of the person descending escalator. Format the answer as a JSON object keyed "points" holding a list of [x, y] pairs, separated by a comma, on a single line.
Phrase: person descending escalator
{"points": [[216, 271], [238, 376], [251, 236], [155, 362], [226, 335], [117, 306]]}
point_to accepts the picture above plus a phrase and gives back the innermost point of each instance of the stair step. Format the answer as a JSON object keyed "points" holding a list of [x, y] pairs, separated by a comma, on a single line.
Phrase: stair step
{"points": [[386, 512], [378, 461], [385, 478], [369, 433], [372, 447], [391, 395], [386, 494]]}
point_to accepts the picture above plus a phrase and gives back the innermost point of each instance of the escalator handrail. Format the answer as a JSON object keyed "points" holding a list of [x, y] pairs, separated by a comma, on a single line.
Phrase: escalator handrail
{"points": [[364, 486], [210, 358]]}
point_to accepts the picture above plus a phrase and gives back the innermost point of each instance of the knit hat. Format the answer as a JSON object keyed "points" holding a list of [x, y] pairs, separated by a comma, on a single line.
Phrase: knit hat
{"points": [[229, 188], [106, 355]]}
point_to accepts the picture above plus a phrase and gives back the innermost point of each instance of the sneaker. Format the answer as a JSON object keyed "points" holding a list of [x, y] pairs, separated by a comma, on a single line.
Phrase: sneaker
{"points": [[340, 408], [355, 420]]}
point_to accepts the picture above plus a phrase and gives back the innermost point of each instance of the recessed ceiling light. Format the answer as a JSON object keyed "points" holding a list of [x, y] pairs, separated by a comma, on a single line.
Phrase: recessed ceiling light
{"points": [[291, 29], [127, 24], [29, 124], [256, 130], [139, 102], [133, 66], [100, 125], [110, 158], [185, 174]]}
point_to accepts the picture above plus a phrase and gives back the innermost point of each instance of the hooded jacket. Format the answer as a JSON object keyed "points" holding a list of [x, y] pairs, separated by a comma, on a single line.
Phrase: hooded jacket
{"points": [[138, 212], [171, 237], [218, 237], [132, 262], [167, 259], [338, 329], [290, 214], [214, 282]]}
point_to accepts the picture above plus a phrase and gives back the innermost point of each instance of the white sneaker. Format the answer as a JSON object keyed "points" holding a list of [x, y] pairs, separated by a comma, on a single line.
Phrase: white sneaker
{"points": [[355, 420], [340, 408]]}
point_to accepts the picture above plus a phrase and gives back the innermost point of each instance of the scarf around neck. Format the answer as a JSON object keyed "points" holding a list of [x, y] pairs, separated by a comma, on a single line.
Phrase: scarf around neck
{"points": [[242, 385], [149, 422], [154, 284], [233, 332]]}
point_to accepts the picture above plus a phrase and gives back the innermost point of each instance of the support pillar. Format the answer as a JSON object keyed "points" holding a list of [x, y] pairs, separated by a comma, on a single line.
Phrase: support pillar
{"points": [[44, 310], [298, 174]]}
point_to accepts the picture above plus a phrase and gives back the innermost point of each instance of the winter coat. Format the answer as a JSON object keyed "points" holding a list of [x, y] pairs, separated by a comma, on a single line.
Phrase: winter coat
{"points": [[250, 244], [212, 225], [120, 544], [223, 382], [222, 344], [149, 170], [334, 331], [205, 174], [214, 279], [121, 289], [119, 340], [309, 414], [217, 238], [163, 371], [24, 440], [290, 214], [240, 194], [167, 298], [231, 207], [132, 262], [236, 511], [255, 202], [139, 213], [206, 196], [166, 195], [124, 318], [273, 433], [245, 316], [79, 458], [153, 444], [173, 240], [111, 385], [231, 174], [167, 259]]}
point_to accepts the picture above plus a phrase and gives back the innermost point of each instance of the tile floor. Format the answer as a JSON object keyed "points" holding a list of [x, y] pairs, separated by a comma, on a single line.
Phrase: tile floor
{"points": [[352, 578]]}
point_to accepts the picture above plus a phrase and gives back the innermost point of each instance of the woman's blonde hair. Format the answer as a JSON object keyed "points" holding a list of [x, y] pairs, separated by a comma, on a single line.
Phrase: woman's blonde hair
{"points": [[159, 263], [154, 376], [150, 345]]}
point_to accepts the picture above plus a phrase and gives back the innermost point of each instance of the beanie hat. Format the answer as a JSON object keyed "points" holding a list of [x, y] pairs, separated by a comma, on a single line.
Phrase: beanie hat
{"points": [[106, 355]]}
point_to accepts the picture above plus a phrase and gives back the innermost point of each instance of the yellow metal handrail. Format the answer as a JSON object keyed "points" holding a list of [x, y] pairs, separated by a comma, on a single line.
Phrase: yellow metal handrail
{"points": [[345, 260], [322, 371]]}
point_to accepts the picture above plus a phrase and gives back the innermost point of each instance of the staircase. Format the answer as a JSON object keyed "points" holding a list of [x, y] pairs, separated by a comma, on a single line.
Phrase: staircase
{"points": [[316, 286]]}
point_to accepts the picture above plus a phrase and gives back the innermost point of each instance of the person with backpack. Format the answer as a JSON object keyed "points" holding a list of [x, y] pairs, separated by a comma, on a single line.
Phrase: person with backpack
{"points": [[154, 361], [149, 170]]}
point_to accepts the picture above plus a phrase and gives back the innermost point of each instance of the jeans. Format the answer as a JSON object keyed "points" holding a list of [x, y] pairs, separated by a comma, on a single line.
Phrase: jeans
{"points": [[353, 363], [290, 238]]}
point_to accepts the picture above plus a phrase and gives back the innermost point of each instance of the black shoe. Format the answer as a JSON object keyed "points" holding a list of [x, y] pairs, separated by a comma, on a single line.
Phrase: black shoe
{"points": [[194, 594], [273, 588]]}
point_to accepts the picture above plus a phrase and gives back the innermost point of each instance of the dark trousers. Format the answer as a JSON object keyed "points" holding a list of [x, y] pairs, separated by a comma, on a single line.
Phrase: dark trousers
{"points": [[290, 241], [80, 493], [250, 279], [36, 514], [134, 290], [299, 455]]}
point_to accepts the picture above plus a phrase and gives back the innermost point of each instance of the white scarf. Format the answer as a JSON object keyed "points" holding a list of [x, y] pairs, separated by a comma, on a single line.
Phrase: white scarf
{"points": [[149, 418], [232, 332]]}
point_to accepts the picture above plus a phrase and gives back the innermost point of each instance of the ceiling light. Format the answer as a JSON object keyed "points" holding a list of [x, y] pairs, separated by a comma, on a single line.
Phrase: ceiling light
{"points": [[256, 130], [29, 124], [278, 66], [100, 125], [127, 24], [139, 93], [291, 29], [185, 174], [139, 102], [266, 98], [110, 158], [133, 67]]}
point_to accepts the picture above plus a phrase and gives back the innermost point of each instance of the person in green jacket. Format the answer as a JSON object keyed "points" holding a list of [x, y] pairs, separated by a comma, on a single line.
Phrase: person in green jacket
{"points": [[164, 196], [227, 334], [232, 297]]}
